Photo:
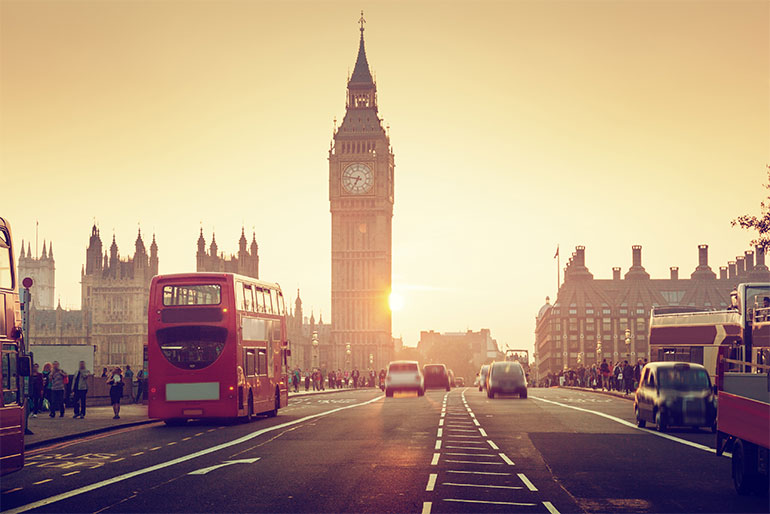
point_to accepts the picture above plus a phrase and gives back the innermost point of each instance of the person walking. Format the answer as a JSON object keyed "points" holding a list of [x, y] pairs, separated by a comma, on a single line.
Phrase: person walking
{"points": [[36, 389], [128, 375], [115, 380], [605, 372], [58, 382], [80, 390]]}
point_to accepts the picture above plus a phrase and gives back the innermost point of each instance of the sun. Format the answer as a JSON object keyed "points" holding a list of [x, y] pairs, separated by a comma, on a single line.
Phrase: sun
{"points": [[396, 302]]}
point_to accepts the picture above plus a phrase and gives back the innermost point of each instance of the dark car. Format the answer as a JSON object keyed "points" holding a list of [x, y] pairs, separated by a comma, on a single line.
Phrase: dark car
{"points": [[506, 378], [451, 378], [675, 394], [482, 378], [436, 376]]}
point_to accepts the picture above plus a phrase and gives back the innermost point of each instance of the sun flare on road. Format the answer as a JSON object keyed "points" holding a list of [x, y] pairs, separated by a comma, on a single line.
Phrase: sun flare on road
{"points": [[396, 302]]}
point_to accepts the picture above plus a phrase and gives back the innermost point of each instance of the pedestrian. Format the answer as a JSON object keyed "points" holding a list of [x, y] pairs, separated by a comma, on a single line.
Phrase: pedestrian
{"points": [[36, 389], [58, 382], [141, 380], [128, 375], [307, 381], [80, 390], [605, 372], [116, 390], [297, 374], [104, 372]]}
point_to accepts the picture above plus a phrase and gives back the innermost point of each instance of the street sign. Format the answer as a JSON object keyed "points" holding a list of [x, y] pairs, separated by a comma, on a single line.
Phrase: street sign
{"points": [[27, 282]]}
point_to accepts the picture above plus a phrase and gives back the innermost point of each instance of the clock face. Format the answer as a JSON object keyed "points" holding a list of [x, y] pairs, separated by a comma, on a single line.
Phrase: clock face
{"points": [[357, 179]]}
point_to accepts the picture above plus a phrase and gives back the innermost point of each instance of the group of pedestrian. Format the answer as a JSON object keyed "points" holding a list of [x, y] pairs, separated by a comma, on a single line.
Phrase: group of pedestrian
{"points": [[48, 389], [319, 379], [620, 376]]}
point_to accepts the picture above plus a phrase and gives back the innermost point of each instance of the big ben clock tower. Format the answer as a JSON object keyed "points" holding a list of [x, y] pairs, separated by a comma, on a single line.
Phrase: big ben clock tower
{"points": [[361, 198]]}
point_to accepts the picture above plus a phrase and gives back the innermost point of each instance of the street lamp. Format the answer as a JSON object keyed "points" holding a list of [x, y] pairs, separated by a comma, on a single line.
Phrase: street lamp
{"points": [[348, 353], [628, 342], [598, 351], [315, 349]]}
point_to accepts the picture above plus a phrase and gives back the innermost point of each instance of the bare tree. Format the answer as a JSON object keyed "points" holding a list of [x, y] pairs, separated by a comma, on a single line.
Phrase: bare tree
{"points": [[759, 223]]}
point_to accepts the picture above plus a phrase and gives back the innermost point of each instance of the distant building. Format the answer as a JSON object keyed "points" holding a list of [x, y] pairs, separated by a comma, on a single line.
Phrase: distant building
{"points": [[113, 314], [42, 270], [588, 320], [300, 331], [464, 352], [245, 263]]}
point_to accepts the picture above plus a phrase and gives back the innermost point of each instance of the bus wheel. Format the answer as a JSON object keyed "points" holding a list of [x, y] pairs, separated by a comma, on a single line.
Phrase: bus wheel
{"points": [[273, 413]]}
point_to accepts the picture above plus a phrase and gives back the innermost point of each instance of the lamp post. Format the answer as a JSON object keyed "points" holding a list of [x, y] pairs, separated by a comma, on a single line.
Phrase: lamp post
{"points": [[628, 342], [348, 353], [315, 350], [598, 351]]}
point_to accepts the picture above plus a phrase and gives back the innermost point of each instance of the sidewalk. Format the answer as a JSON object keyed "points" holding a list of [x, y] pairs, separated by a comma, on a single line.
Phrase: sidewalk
{"points": [[629, 396], [98, 419]]}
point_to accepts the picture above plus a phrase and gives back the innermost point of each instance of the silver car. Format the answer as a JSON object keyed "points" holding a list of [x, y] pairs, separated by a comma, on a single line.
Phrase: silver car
{"points": [[404, 376]]}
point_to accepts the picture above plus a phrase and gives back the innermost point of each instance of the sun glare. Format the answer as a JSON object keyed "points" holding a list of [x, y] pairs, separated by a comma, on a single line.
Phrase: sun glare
{"points": [[396, 302]]}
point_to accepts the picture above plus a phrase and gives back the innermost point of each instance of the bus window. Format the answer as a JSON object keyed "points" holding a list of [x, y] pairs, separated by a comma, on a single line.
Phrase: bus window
{"points": [[260, 300], [10, 380], [262, 361], [239, 296], [281, 310], [276, 332], [268, 303], [6, 275], [248, 298], [250, 362]]}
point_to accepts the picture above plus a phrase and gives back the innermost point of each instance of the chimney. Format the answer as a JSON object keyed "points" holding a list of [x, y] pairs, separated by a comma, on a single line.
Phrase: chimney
{"points": [[616, 273], [740, 262], [674, 273], [760, 265], [722, 272], [703, 256], [749, 260], [732, 270], [636, 256], [580, 256]]}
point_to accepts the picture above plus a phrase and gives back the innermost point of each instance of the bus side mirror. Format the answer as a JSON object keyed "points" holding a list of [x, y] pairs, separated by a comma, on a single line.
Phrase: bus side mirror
{"points": [[24, 366]]}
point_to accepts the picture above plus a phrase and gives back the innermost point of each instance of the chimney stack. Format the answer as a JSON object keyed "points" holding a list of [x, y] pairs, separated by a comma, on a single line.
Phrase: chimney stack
{"points": [[703, 256], [732, 270], [722, 272], [674, 273], [580, 256], [760, 265], [616, 273], [740, 262], [636, 256], [749, 260]]}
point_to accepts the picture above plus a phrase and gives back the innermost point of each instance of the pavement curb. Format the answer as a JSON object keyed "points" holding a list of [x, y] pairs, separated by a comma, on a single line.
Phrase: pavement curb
{"points": [[330, 391], [605, 393], [78, 435]]}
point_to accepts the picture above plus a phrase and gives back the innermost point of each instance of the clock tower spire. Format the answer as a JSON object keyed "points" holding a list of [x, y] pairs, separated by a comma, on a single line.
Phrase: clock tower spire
{"points": [[361, 196]]}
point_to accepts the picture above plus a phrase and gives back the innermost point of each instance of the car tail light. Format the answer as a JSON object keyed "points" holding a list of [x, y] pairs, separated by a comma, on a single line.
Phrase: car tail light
{"points": [[153, 390], [232, 388]]}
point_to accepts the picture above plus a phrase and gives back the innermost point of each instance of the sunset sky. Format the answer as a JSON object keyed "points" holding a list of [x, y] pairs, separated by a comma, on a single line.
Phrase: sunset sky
{"points": [[516, 126]]}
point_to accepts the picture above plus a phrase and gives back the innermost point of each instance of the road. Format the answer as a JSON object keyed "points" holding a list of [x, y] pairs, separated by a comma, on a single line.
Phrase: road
{"points": [[356, 451]]}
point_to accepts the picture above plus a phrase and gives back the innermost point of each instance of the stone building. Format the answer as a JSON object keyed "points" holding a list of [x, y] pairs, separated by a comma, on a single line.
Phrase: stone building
{"points": [[245, 263], [113, 314], [361, 195], [463, 352], [588, 320], [42, 270], [301, 331]]}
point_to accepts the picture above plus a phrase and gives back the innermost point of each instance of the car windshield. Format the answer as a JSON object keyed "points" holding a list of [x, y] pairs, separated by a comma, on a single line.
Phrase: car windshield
{"points": [[403, 367], [684, 379], [507, 368]]}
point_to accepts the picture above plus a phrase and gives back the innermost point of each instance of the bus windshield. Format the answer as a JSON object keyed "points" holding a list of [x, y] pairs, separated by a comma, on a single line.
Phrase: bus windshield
{"points": [[198, 294], [686, 379], [192, 347]]}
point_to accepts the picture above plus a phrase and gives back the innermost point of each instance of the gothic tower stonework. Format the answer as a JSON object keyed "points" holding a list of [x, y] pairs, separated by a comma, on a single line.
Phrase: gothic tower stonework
{"points": [[361, 196]]}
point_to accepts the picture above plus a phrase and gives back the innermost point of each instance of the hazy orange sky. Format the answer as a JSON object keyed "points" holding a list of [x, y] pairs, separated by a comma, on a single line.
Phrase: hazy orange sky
{"points": [[516, 126]]}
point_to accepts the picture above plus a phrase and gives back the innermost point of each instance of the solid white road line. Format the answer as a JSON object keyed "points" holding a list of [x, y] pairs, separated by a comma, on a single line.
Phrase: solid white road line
{"points": [[434, 460], [438, 445], [633, 425], [526, 481], [431, 481], [506, 459], [472, 454], [461, 430], [551, 508], [490, 502], [426, 507], [178, 460], [483, 485], [465, 435], [475, 462], [478, 472], [482, 432], [493, 445], [477, 448]]}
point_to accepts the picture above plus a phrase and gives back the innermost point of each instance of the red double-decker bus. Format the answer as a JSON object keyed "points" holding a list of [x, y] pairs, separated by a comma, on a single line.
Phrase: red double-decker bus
{"points": [[217, 347], [15, 365]]}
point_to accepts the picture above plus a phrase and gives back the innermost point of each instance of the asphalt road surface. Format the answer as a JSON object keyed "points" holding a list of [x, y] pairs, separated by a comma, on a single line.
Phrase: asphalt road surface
{"points": [[356, 451]]}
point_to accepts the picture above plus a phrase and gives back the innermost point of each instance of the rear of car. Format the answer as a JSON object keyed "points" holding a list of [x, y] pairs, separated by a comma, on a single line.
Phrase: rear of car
{"points": [[506, 378], [483, 377], [436, 376], [404, 376]]}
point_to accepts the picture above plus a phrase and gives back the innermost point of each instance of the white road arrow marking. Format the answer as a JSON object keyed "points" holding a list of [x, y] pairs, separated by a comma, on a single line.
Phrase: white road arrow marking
{"points": [[203, 471]]}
